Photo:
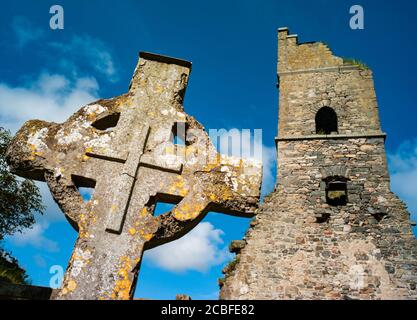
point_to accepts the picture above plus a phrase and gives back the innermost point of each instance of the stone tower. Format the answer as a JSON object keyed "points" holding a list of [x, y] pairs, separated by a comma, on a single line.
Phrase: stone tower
{"points": [[332, 229]]}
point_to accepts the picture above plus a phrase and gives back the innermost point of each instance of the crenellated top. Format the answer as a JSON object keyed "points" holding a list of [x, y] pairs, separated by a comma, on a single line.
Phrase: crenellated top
{"points": [[323, 96], [294, 56]]}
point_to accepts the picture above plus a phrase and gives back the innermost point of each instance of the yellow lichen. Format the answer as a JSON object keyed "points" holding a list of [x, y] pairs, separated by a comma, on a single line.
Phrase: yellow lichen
{"points": [[159, 89], [122, 287], [132, 231], [188, 211], [72, 285], [83, 224], [143, 212], [85, 157], [169, 150], [114, 208], [179, 187], [146, 236]]}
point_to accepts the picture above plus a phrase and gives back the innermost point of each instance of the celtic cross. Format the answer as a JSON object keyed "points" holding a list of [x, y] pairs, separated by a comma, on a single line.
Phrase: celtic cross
{"points": [[123, 147]]}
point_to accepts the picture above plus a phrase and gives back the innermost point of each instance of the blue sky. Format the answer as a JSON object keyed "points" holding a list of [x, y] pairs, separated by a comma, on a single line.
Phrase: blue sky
{"points": [[50, 74]]}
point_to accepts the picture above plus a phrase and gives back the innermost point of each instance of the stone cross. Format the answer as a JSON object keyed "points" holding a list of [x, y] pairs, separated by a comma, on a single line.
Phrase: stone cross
{"points": [[125, 149]]}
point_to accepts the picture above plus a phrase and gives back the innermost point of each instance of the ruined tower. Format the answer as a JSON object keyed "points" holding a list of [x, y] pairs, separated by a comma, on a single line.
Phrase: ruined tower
{"points": [[332, 229]]}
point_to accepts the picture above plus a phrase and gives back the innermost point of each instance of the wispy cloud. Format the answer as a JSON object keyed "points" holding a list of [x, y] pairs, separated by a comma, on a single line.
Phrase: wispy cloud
{"points": [[50, 97], [269, 160], [403, 169], [25, 31], [35, 237], [74, 53], [234, 143], [199, 250], [92, 50]]}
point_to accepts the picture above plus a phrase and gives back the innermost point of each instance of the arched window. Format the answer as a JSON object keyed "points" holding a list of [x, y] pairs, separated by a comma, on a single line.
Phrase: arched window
{"points": [[326, 121]]}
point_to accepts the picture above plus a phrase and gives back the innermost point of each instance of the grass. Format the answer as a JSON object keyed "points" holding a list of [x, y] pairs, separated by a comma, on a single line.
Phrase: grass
{"points": [[355, 62]]}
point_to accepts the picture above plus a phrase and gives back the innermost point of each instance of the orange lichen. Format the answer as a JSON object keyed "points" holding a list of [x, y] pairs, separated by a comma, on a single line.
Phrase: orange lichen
{"points": [[122, 287], [70, 286], [85, 157], [83, 222], [146, 236], [143, 212], [179, 187], [188, 211]]}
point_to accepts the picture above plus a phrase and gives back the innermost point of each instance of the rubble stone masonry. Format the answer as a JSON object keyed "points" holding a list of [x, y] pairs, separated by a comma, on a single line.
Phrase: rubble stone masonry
{"points": [[332, 229]]}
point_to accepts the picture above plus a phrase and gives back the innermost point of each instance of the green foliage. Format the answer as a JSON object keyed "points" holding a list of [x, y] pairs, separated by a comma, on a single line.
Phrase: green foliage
{"points": [[335, 195], [19, 199], [231, 266], [10, 271], [355, 62]]}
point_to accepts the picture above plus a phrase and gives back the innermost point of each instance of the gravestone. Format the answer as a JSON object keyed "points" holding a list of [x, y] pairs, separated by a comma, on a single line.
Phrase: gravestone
{"points": [[125, 149]]}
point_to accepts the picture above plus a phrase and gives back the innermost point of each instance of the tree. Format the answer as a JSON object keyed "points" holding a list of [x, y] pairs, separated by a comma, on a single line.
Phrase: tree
{"points": [[10, 271], [19, 200]]}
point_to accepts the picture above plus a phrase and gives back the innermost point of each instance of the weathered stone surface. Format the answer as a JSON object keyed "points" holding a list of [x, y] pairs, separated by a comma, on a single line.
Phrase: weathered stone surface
{"points": [[236, 246], [301, 247], [124, 148]]}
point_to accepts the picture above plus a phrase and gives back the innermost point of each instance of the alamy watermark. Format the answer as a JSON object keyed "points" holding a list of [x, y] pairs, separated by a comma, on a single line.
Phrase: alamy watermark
{"points": [[57, 272], [56, 22], [190, 145], [357, 21]]}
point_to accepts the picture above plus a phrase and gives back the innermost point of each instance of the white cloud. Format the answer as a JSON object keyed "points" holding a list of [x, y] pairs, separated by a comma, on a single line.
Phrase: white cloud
{"points": [[239, 143], [91, 50], [25, 32], [52, 212], [35, 237], [73, 54], [403, 169], [269, 160], [198, 250], [51, 97]]}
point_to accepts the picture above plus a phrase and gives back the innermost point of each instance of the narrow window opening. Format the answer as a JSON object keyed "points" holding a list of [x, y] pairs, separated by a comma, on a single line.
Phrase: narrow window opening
{"points": [[326, 121], [85, 186], [323, 218], [336, 192], [179, 130], [379, 216], [162, 207], [162, 203], [107, 122]]}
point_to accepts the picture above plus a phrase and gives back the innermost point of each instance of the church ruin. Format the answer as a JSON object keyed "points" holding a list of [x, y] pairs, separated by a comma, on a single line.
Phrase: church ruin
{"points": [[332, 229]]}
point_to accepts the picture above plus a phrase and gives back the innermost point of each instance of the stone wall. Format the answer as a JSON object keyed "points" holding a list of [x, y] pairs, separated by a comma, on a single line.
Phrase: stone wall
{"points": [[311, 78], [301, 244]]}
